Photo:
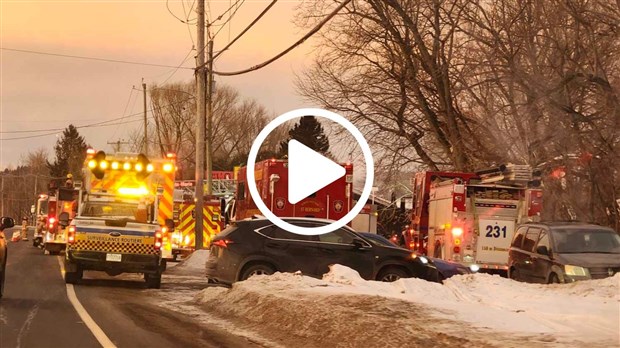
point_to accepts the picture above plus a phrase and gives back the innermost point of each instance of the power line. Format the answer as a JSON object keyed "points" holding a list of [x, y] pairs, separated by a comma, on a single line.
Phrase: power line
{"points": [[92, 125], [125, 110], [93, 58], [281, 54], [246, 28], [180, 65], [229, 17]]}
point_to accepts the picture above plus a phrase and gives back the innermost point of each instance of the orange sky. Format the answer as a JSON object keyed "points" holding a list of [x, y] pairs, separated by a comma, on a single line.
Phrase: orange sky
{"points": [[46, 92]]}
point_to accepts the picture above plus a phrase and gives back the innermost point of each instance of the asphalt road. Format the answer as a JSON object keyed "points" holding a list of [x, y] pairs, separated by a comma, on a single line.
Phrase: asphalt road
{"points": [[36, 311]]}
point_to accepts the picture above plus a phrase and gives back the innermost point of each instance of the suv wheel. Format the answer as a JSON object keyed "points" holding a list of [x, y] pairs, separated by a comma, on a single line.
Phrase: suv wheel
{"points": [[391, 274], [257, 269]]}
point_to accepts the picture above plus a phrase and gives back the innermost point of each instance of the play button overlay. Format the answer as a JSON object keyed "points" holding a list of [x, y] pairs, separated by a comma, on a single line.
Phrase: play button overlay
{"points": [[309, 171]]}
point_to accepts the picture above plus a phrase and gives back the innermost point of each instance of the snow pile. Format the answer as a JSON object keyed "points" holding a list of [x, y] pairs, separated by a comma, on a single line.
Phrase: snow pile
{"points": [[196, 260], [194, 264], [342, 309]]}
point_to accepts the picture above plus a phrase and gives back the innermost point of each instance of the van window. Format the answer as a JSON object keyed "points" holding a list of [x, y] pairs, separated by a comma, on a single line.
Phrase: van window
{"points": [[518, 239], [531, 238], [543, 239]]}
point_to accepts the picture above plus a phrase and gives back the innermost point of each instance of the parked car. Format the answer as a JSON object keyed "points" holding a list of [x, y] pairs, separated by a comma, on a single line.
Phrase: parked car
{"points": [[445, 268], [563, 252], [252, 247], [5, 222]]}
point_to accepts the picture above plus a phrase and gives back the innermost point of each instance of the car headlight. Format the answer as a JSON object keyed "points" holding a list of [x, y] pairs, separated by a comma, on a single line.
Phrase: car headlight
{"points": [[474, 268], [423, 259], [576, 271]]}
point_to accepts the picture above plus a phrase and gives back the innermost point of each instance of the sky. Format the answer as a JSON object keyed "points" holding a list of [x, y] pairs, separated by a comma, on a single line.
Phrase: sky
{"points": [[46, 93]]}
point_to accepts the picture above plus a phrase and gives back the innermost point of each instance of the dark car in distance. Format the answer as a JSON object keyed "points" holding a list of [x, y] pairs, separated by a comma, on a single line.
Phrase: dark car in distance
{"points": [[563, 252], [445, 268], [251, 247], [5, 222]]}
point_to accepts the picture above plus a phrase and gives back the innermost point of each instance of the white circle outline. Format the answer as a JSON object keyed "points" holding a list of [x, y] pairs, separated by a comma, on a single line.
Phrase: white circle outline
{"points": [[297, 113]]}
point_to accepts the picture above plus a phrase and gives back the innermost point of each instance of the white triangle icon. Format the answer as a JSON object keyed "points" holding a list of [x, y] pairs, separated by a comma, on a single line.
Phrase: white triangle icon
{"points": [[309, 171]]}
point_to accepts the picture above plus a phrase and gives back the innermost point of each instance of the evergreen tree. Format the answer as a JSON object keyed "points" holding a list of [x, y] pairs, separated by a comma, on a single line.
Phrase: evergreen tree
{"points": [[70, 152], [309, 132]]}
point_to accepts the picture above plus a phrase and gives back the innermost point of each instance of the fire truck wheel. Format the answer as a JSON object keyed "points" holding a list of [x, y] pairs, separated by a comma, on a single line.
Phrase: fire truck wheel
{"points": [[391, 274], [153, 281], [257, 269]]}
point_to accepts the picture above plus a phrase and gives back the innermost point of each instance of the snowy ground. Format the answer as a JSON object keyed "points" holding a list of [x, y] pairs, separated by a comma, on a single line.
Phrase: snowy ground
{"points": [[343, 310]]}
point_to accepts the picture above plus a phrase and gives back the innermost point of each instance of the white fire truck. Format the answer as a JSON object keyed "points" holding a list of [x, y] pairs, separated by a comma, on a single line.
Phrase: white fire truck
{"points": [[473, 221]]}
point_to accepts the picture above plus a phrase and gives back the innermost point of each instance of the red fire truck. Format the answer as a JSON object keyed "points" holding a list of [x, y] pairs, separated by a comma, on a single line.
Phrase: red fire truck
{"points": [[331, 202], [471, 217]]}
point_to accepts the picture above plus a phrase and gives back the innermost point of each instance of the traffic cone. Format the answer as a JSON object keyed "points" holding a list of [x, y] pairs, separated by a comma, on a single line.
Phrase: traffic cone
{"points": [[17, 236]]}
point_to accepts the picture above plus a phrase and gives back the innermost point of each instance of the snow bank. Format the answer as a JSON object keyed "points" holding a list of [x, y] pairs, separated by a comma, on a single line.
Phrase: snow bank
{"points": [[490, 309]]}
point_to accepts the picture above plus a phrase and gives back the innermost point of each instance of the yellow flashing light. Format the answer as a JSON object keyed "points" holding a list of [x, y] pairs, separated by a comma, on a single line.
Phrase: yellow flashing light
{"points": [[126, 166], [149, 167], [115, 165], [92, 164], [133, 191], [139, 167], [168, 167], [103, 164]]}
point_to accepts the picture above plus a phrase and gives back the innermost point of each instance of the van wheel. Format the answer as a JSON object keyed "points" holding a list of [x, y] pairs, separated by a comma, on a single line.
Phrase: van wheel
{"points": [[391, 274], [515, 275], [257, 269], [553, 279]]}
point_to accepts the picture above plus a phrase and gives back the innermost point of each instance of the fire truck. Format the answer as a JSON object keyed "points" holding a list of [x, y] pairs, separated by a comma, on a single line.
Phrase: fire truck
{"points": [[52, 237], [183, 238], [124, 219], [471, 217], [333, 201]]}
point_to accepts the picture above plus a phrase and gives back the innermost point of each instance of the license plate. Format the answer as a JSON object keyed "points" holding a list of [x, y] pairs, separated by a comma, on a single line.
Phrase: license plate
{"points": [[113, 257]]}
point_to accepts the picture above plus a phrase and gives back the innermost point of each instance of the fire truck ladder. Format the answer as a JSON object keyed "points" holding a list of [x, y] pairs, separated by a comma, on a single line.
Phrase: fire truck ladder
{"points": [[223, 187]]}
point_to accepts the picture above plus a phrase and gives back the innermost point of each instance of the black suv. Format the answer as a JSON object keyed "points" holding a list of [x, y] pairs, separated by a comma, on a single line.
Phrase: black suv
{"points": [[563, 252], [251, 247]]}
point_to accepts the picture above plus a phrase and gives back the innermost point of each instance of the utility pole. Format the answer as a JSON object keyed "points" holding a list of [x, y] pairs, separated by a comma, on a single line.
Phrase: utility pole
{"points": [[209, 117], [2, 197], [116, 145], [200, 124], [146, 143]]}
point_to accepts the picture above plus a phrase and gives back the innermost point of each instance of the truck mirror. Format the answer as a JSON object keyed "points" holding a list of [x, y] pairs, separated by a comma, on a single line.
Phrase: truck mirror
{"points": [[6, 222], [63, 219]]}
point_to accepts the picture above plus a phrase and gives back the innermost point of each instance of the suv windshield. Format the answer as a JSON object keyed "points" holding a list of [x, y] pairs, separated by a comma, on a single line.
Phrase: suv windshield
{"points": [[116, 210], [585, 240]]}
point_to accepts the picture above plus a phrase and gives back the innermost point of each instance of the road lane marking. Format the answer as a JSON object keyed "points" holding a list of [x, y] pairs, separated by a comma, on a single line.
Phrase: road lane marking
{"points": [[86, 318], [26, 326]]}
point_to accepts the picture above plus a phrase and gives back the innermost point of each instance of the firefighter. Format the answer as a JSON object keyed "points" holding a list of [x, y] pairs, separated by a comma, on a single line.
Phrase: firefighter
{"points": [[69, 182], [24, 228]]}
